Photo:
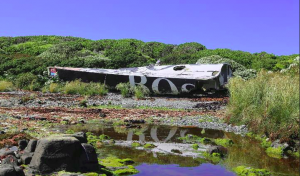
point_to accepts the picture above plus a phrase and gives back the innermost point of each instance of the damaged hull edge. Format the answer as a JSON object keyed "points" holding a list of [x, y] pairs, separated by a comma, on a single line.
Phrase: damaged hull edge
{"points": [[157, 82]]}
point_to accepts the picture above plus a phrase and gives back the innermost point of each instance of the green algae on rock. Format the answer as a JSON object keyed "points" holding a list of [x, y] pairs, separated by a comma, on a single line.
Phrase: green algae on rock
{"points": [[149, 145], [136, 144], [118, 166]]}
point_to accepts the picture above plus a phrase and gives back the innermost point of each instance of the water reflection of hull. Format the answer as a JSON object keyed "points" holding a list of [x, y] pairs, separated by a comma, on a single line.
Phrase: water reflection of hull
{"points": [[160, 133]]}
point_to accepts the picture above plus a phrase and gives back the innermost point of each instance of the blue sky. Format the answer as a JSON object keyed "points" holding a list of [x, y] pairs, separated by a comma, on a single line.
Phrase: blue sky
{"points": [[248, 25]]}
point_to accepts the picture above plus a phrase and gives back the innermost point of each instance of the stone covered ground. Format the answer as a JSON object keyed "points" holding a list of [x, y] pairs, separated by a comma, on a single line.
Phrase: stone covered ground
{"points": [[31, 118]]}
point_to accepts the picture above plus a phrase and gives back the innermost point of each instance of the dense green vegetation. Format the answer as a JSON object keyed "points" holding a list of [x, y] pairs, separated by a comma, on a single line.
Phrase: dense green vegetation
{"points": [[268, 104], [19, 55]]}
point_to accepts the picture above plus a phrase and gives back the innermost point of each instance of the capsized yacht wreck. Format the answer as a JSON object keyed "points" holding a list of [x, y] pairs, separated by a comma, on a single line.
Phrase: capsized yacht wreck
{"points": [[165, 79]]}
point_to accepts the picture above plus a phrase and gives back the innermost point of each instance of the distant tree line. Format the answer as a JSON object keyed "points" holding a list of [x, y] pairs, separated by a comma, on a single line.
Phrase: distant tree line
{"points": [[19, 55]]}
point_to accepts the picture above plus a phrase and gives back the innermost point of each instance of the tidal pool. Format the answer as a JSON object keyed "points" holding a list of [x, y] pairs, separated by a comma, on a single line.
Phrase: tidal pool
{"points": [[245, 151]]}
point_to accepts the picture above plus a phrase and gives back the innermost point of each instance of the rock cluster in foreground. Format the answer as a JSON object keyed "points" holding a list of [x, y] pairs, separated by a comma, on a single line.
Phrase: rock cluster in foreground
{"points": [[55, 153]]}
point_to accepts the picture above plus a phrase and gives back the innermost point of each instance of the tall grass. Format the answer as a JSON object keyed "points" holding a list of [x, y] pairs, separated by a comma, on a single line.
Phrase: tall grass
{"points": [[78, 87], [125, 89], [268, 103], [140, 92], [6, 86]]}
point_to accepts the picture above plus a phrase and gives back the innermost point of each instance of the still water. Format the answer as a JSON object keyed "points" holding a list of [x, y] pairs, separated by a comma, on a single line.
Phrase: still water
{"points": [[245, 151]]}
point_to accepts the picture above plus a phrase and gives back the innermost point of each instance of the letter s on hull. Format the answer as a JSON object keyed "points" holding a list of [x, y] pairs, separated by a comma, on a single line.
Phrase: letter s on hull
{"points": [[184, 89]]}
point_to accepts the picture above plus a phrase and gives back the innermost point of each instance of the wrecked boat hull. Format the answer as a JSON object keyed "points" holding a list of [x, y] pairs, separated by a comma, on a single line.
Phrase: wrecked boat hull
{"points": [[155, 84]]}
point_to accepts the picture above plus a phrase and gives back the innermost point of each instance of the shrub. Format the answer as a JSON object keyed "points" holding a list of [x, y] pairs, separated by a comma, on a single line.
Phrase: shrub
{"points": [[74, 87], [54, 87], [96, 89], [6, 86], [125, 89], [78, 87], [140, 92], [268, 104], [27, 81]]}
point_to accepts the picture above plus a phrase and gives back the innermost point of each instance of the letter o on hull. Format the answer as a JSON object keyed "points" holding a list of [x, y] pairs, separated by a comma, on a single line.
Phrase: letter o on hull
{"points": [[156, 83]]}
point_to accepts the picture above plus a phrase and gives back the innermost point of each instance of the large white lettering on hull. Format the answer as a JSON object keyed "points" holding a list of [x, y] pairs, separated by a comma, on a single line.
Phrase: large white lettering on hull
{"points": [[142, 83], [155, 84]]}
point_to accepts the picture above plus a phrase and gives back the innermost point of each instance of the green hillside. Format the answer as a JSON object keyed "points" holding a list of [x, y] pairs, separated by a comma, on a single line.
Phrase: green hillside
{"points": [[34, 53]]}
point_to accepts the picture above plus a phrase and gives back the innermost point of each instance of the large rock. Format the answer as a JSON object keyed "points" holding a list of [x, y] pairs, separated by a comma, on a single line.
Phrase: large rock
{"points": [[89, 161], [56, 153], [10, 159], [5, 152], [31, 146], [26, 158], [81, 136], [22, 144], [10, 170], [7, 170], [28, 152]]}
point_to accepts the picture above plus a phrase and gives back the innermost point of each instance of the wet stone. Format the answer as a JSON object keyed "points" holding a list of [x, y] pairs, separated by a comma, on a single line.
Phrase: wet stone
{"points": [[12, 160], [7, 170], [5, 152], [22, 144]]}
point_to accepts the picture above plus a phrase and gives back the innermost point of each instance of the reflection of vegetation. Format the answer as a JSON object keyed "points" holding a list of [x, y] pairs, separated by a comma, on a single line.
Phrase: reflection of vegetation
{"points": [[295, 154], [224, 142], [248, 171], [248, 152], [203, 140], [274, 152], [214, 158]]}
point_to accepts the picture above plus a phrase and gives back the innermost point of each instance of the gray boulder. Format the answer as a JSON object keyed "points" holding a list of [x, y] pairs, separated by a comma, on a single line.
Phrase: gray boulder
{"points": [[31, 146], [81, 136], [89, 161], [26, 158], [22, 144], [19, 171], [28, 152], [56, 153], [5, 152], [7, 170], [10, 159], [10, 170]]}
